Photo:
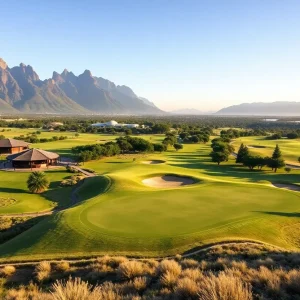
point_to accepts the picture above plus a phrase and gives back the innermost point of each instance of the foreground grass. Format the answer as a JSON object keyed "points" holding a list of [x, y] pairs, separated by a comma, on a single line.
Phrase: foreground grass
{"points": [[235, 271]]}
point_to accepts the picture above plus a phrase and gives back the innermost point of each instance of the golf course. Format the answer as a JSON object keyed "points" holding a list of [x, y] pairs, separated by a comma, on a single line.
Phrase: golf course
{"points": [[154, 204]]}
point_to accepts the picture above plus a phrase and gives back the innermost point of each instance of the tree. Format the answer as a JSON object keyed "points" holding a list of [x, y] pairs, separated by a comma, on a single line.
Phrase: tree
{"points": [[159, 147], [178, 147], [242, 153], [292, 135], [219, 157], [128, 132], [252, 161], [299, 159], [37, 182], [277, 153], [276, 161], [288, 169]]}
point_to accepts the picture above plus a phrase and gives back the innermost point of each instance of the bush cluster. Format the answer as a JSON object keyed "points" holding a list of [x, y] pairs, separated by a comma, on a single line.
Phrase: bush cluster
{"points": [[235, 271]]}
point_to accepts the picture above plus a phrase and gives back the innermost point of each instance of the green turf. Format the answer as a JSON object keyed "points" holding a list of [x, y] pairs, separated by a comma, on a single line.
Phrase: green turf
{"points": [[120, 215], [13, 185]]}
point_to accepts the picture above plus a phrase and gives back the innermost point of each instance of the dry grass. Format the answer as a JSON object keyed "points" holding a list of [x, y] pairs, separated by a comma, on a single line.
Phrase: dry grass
{"points": [[189, 263], [139, 283], [131, 269], [224, 287], [186, 288], [170, 266], [63, 266], [168, 279], [293, 281], [78, 290], [217, 275], [194, 274], [43, 270], [8, 271]]}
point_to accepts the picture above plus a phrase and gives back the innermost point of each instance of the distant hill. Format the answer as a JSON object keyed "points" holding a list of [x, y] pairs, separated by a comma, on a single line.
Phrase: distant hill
{"points": [[21, 90], [280, 108], [189, 111]]}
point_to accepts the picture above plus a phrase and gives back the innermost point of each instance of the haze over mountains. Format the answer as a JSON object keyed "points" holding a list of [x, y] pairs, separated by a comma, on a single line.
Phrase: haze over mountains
{"points": [[280, 108], [21, 90]]}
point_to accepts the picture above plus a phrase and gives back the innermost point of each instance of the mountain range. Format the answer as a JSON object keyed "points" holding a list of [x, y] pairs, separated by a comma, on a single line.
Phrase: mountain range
{"points": [[279, 108], [21, 90]]}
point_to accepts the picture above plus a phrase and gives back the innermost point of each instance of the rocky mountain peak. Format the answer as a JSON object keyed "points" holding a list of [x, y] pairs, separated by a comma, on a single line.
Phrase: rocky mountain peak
{"points": [[3, 64], [87, 73]]}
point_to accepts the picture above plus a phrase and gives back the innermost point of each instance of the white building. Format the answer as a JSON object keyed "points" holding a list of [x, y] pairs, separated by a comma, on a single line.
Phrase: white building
{"points": [[113, 123]]}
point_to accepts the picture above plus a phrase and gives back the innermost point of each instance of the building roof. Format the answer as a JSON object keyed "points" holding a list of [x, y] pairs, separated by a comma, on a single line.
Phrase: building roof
{"points": [[33, 155], [11, 143]]}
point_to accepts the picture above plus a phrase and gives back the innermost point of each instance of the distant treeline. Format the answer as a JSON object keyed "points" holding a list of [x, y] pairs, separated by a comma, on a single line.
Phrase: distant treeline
{"points": [[153, 124]]}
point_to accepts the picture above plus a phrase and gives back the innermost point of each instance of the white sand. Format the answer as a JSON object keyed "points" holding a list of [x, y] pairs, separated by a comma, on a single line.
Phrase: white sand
{"points": [[291, 187], [168, 181], [153, 162]]}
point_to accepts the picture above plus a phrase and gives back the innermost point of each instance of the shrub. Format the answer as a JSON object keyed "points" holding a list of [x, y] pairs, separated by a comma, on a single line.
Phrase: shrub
{"points": [[293, 281], [169, 265], [194, 274], [37, 182], [139, 283], [43, 270], [8, 271], [225, 287], [186, 288], [130, 269], [78, 290], [189, 263], [168, 279], [63, 266]]}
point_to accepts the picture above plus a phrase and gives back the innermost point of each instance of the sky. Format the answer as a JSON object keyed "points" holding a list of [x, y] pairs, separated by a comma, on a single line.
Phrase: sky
{"points": [[203, 54]]}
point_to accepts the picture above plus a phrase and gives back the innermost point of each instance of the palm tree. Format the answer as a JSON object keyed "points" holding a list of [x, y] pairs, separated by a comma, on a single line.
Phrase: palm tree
{"points": [[37, 182]]}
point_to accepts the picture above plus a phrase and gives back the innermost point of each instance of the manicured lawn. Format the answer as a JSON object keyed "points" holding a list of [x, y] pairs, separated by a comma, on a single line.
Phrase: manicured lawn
{"points": [[120, 215], [13, 186]]}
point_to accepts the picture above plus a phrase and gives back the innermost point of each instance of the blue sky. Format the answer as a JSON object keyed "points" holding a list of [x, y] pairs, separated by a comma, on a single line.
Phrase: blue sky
{"points": [[204, 54]]}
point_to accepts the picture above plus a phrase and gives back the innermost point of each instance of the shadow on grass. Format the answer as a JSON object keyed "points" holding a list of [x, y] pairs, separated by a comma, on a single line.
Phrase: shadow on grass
{"points": [[236, 171], [13, 190], [281, 214]]}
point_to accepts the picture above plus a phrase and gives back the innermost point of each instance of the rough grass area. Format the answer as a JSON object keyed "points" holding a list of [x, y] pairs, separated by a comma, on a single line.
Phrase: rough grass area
{"points": [[236, 271]]}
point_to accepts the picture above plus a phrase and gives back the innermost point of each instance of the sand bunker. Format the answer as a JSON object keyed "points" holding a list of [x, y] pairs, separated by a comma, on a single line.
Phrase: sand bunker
{"points": [[291, 187], [168, 181], [153, 162]]}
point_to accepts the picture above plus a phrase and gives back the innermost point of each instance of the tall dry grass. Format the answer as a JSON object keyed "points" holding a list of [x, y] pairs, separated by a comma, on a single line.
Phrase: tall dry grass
{"points": [[77, 289], [224, 286]]}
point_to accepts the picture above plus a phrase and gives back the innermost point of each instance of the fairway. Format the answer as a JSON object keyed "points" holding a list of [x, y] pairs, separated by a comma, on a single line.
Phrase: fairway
{"points": [[119, 214]]}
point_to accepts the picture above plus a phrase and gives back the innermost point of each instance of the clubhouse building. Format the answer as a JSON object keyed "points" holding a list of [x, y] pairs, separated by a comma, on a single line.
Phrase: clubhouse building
{"points": [[33, 158], [11, 146], [115, 124]]}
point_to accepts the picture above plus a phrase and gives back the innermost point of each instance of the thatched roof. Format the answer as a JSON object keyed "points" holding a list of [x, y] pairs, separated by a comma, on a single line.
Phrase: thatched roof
{"points": [[11, 143], [33, 155]]}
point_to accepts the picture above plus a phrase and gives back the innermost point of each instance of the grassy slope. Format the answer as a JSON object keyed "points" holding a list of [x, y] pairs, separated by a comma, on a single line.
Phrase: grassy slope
{"points": [[131, 218]]}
